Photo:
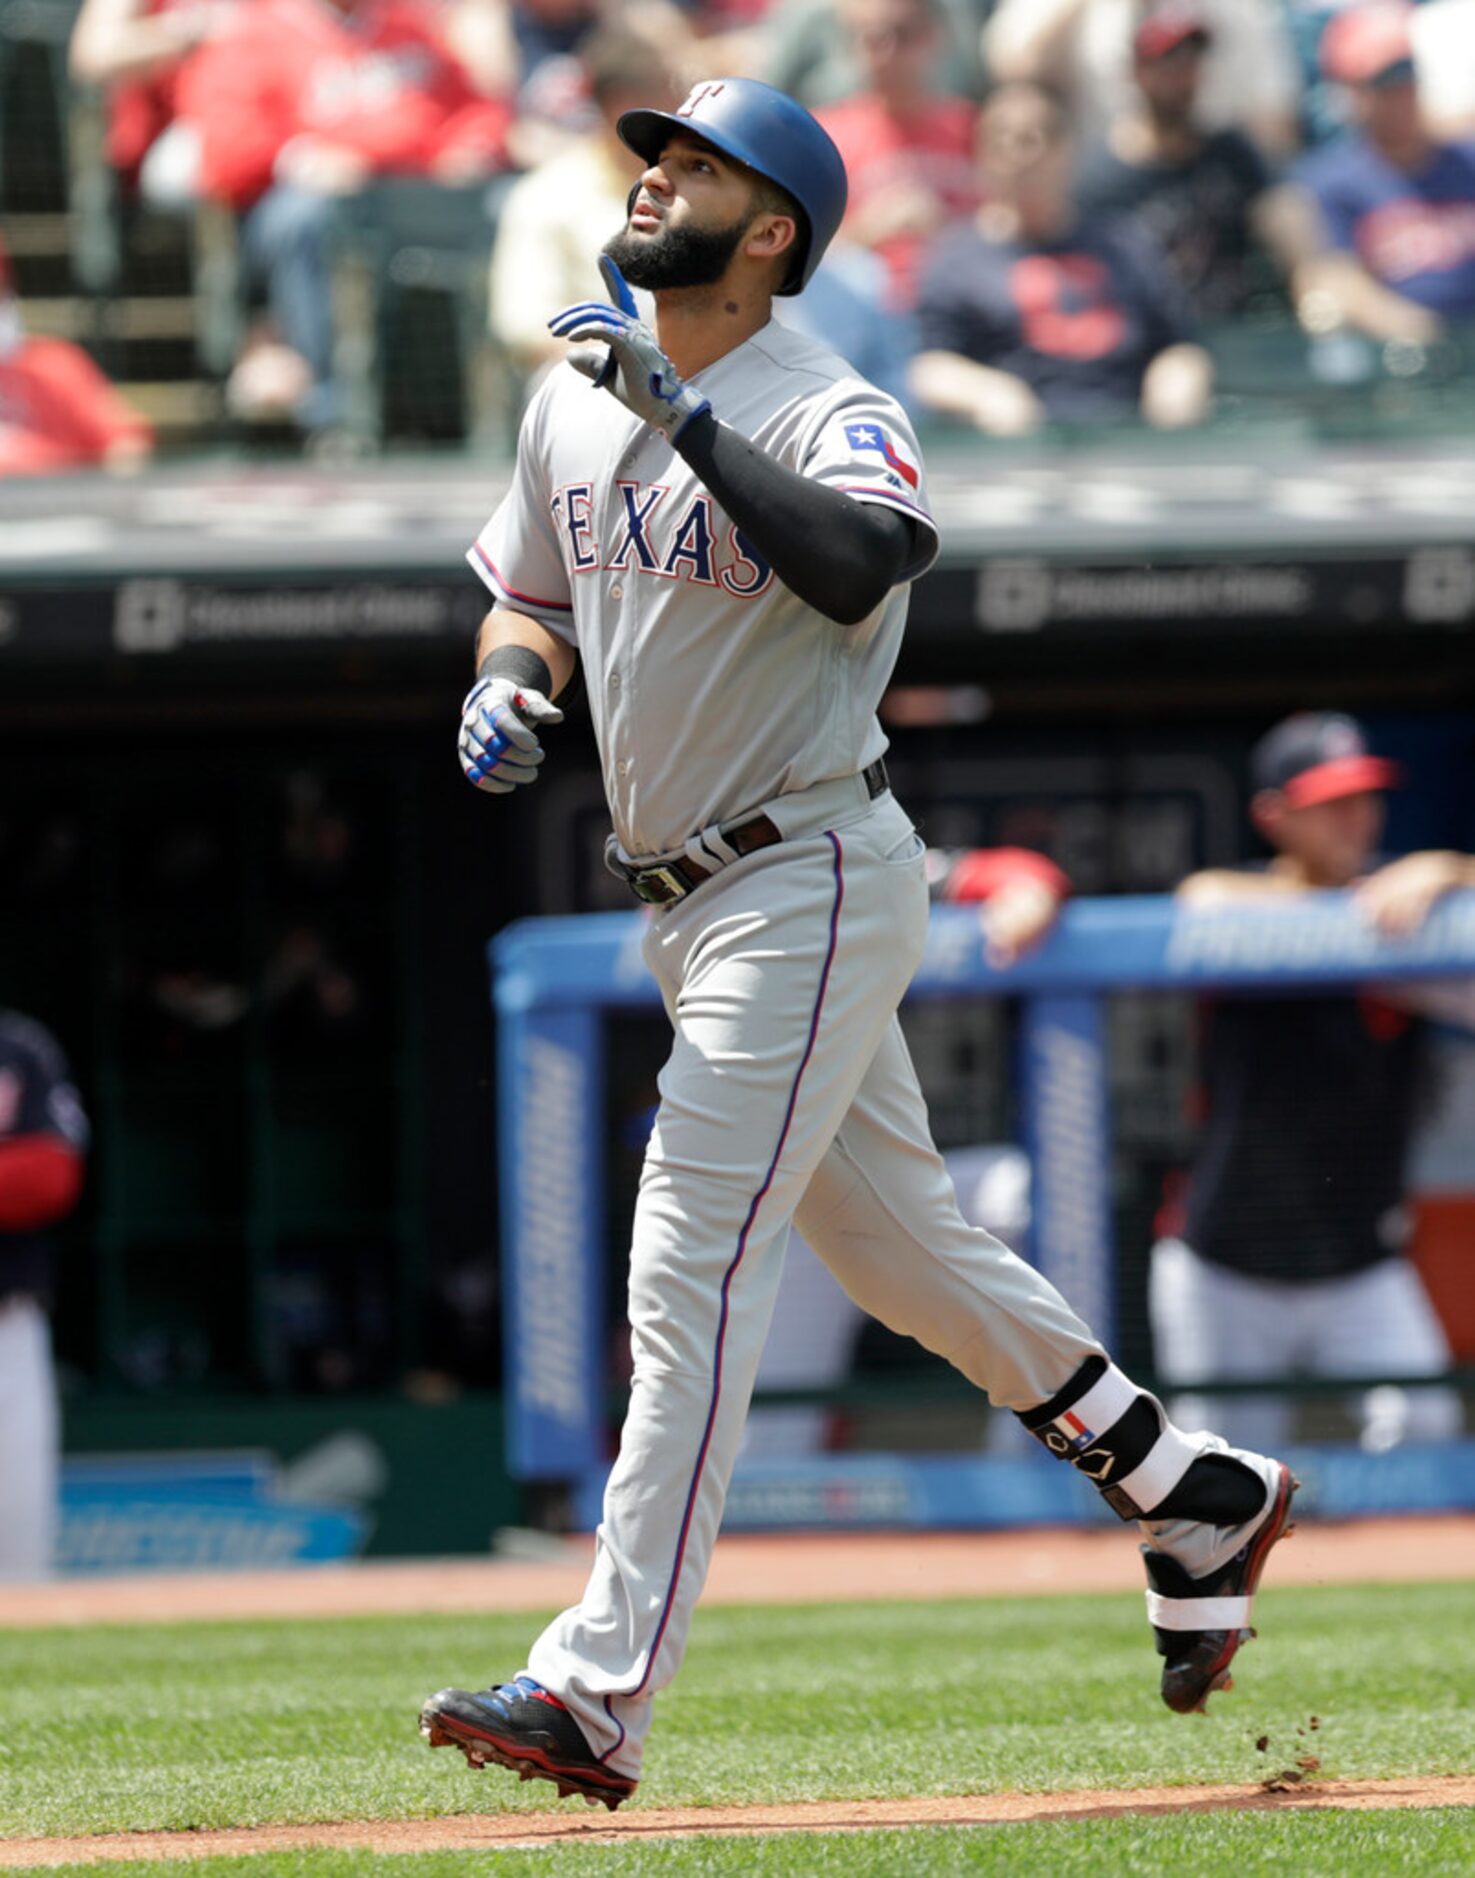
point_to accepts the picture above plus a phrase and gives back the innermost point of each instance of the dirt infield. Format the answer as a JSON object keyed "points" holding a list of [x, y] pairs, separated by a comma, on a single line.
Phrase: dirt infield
{"points": [[791, 1569], [484, 1833]]}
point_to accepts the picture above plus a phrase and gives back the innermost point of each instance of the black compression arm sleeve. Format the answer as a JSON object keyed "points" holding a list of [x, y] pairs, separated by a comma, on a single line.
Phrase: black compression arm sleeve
{"points": [[840, 556]]}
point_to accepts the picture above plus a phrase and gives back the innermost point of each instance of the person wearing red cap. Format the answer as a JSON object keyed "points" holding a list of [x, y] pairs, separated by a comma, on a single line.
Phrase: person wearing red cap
{"points": [[1207, 200], [1287, 1253], [57, 411], [1397, 203], [1084, 49]]}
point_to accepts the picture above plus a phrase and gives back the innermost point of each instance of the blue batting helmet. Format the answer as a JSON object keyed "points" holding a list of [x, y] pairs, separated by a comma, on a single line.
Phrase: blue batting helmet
{"points": [[768, 132]]}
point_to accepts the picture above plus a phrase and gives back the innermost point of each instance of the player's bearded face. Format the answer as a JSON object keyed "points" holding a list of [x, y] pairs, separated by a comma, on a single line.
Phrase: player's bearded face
{"points": [[677, 254]]}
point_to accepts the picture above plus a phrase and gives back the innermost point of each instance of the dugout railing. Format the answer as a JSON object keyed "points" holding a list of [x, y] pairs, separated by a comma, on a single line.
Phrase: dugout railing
{"points": [[555, 980]]}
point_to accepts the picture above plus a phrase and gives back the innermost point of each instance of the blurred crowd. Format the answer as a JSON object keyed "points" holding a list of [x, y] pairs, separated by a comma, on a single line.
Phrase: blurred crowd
{"points": [[1055, 205]]}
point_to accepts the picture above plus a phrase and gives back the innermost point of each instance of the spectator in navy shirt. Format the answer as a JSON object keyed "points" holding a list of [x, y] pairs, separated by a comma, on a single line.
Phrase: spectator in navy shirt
{"points": [[1206, 200], [1398, 205], [1028, 314]]}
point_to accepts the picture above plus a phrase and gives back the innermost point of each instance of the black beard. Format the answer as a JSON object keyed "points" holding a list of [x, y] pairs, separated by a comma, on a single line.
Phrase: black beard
{"points": [[676, 257]]}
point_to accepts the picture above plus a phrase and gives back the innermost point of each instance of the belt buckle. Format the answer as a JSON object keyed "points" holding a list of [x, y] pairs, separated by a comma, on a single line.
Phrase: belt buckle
{"points": [[646, 880]]}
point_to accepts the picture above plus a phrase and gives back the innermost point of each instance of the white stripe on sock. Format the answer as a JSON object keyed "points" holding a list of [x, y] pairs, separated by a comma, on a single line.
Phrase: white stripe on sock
{"points": [[1105, 1402], [1168, 1460], [1197, 1613]]}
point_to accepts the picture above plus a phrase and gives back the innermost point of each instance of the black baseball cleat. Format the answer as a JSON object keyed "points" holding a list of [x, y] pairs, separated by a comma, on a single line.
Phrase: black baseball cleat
{"points": [[521, 1726], [1197, 1658]]}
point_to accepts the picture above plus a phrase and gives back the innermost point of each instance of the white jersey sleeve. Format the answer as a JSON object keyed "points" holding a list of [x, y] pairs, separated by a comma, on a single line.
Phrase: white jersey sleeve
{"points": [[863, 445], [517, 554]]}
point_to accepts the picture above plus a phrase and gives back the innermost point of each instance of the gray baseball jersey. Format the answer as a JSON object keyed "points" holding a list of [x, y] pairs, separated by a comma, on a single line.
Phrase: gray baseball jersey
{"points": [[608, 538]]}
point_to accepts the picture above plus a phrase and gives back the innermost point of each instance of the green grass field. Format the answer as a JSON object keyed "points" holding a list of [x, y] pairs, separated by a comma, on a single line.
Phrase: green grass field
{"points": [[203, 1725]]}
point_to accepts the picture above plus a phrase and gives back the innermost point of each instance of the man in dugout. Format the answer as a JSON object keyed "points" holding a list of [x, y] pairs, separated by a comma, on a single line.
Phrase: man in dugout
{"points": [[1289, 1256]]}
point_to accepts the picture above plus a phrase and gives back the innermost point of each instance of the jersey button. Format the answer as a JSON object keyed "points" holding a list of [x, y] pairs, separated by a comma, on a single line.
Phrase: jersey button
{"points": [[617, 592], [622, 768], [614, 681]]}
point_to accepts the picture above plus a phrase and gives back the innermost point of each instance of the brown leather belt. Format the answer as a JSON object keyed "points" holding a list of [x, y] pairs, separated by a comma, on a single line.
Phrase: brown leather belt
{"points": [[673, 880]]}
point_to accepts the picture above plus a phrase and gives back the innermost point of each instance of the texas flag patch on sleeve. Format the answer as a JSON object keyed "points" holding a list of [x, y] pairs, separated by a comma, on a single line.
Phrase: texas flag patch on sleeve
{"points": [[872, 437], [1076, 1435]]}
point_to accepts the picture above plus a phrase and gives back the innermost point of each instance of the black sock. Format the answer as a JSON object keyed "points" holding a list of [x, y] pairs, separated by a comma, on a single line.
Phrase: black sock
{"points": [[1217, 1489], [1141, 1464]]}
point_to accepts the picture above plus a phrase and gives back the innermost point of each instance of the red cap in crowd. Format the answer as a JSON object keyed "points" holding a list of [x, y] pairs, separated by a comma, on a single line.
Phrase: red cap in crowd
{"points": [[1317, 756], [1167, 29], [1368, 43]]}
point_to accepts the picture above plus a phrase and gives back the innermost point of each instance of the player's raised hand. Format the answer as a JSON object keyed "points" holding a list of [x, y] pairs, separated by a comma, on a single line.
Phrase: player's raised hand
{"points": [[634, 369], [498, 745], [619, 287]]}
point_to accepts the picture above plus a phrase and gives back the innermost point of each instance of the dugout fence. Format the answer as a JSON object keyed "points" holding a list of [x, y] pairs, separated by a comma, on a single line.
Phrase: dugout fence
{"points": [[557, 981]]}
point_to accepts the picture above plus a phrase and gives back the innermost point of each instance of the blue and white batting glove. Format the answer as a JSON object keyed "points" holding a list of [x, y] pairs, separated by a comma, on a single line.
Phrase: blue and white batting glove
{"points": [[634, 370], [498, 747]]}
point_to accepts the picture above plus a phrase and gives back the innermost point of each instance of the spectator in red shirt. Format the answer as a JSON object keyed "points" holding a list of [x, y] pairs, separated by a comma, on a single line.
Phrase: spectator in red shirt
{"points": [[137, 50], [303, 103], [907, 146], [57, 411]]}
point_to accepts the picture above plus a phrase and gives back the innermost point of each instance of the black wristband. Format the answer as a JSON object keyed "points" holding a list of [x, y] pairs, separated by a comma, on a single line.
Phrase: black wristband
{"points": [[695, 439], [519, 663]]}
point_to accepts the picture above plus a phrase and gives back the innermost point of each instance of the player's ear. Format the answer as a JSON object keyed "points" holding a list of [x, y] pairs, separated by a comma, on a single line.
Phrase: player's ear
{"points": [[770, 235]]}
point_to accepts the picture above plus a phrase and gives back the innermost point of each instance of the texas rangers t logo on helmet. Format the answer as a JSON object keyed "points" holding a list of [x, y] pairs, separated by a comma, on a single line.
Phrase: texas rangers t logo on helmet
{"points": [[697, 94], [872, 437]]}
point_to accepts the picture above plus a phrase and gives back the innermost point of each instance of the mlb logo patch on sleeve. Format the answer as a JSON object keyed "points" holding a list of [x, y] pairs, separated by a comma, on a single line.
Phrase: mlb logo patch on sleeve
{"points": [[872, 437]]}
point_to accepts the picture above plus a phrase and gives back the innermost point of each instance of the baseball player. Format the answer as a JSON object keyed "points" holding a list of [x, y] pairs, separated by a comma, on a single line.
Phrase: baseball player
{"points": [[720, 521], [1291, 1253], [43, 1141]]}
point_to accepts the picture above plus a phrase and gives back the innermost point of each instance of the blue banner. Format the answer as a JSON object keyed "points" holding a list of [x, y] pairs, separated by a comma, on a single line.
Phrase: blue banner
{"points": [[194, 1512], [1063, 1100], [550, 1084]]}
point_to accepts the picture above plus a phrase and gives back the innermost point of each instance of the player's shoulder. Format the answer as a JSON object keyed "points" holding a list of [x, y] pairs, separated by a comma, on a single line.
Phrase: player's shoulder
{"points": [[563, 409], [808, 372], [552, 388], [797, 356]]}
